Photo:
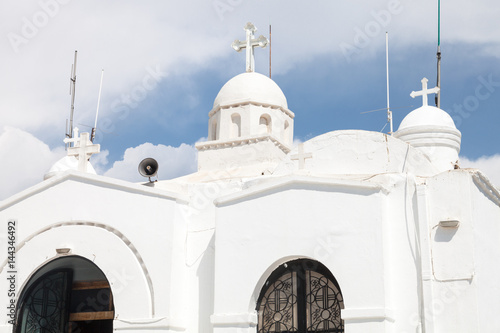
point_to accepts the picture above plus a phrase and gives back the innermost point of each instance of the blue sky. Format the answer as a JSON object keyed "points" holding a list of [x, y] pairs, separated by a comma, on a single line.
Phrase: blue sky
{"points": [[165, 62]]}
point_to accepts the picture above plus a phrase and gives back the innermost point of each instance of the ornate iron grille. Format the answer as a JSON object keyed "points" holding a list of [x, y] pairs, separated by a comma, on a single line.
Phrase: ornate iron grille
{"points": [[301, 296], [324, 302], [44, 307], [278, 311]]}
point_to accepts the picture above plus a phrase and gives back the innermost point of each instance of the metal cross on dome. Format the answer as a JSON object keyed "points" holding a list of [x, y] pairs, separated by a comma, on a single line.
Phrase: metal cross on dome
{"points": [[424, 92], [249, 44], [82, 148]]}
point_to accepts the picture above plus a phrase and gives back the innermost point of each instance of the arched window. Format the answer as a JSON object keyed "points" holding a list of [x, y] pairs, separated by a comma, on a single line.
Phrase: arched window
{"points": [[300, 296], [235, 125], [265, 124], [69, 294], [213, 135]]}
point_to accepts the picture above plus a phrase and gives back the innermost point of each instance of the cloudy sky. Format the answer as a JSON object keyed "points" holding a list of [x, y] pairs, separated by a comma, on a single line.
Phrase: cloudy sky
{"points": [[165, 62]]}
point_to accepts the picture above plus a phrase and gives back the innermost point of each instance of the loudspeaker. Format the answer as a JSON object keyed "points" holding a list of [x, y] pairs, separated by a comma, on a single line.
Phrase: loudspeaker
{"points": [[148, 167]]}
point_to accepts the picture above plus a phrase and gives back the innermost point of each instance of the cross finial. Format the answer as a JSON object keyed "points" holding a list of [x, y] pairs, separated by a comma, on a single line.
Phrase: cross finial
{"points": [[424, 92], [301, 156], [82, 148], [74, 138], [249, 44]]}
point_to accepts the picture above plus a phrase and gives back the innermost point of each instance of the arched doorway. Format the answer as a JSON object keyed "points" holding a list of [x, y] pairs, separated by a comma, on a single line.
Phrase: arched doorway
{"points": [[69, 294], [300, 296]]}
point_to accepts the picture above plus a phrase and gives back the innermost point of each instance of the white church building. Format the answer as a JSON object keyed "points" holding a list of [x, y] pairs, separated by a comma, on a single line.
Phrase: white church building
{"points": [[352, 231]]}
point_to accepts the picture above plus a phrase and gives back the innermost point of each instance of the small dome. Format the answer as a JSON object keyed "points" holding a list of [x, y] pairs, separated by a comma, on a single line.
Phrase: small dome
{"points": [[432, 131], [253, 87], [427, 116], [67, 163]]}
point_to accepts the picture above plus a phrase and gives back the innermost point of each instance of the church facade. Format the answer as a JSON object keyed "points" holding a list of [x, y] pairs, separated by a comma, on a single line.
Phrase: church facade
{"points": [[351, 231]]}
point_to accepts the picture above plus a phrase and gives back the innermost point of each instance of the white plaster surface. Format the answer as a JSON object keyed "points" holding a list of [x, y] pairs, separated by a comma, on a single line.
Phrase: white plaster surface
{"points": [[192, 254]]}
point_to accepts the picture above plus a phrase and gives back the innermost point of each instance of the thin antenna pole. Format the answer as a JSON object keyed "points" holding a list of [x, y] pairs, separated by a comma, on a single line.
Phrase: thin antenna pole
{"points": [[97, 111], [439, 22], [389, 112], [270, 46], [72, 92], [438, 55]]}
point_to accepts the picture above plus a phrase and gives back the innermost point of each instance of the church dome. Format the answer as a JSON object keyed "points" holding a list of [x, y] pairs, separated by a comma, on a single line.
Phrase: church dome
{"points": [[252, 87], [427, 116], [67, 163], [432, 131]]}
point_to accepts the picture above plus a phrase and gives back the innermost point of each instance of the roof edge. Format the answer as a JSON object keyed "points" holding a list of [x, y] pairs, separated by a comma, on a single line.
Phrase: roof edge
{"points": [[94, 180], [295, 179]]}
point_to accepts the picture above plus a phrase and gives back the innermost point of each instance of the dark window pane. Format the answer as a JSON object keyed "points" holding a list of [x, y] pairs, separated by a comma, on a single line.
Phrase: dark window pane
{"points": [[90, 300], [44, 308]]}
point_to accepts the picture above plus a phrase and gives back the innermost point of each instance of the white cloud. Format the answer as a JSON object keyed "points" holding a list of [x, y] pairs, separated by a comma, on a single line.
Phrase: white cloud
{"points": [[173, 162], [489, 165], [25, 159], [182, 36], [100, 162]]}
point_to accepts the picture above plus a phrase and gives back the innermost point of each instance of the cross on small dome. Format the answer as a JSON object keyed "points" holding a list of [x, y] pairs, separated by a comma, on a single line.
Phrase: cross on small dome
{"points": [[424, 92], [249, 44], [82, 148]]}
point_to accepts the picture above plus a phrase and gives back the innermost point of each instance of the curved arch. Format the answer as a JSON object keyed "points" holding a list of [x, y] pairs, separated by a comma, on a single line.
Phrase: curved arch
{"points": [[265, 275], [265, 124], [300, 295], [65, 294], [108, 228], [213, 129], [235, 125]]}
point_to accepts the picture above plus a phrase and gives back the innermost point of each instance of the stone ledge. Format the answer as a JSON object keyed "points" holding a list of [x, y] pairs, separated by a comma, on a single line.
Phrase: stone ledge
{"points": [[236, 319], [217, 144], [244, 102]]}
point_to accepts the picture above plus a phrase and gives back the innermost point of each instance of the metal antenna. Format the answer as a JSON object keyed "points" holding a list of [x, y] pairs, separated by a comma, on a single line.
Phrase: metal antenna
{"points": [[72, 85], [92, 136], [388, 108], [389, 112], [385, 109], [438, 55], [270, 46]]}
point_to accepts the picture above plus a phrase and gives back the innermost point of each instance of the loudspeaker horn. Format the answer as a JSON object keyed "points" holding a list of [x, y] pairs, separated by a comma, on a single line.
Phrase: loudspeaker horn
{"points": [[148, 167]]}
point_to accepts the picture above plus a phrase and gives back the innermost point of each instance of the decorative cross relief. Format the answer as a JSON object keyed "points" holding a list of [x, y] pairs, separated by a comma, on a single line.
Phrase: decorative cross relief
{"points": [[249, 44], [301, 157], [82, 148], [424, 92]]}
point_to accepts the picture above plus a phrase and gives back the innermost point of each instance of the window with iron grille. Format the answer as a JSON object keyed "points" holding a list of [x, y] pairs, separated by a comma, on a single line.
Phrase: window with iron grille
{"points": [[56, 301], [300, 296]]}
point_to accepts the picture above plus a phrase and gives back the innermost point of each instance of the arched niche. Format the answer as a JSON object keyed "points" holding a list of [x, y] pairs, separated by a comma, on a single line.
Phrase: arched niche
{"points": [[213, 130], [235, 125], [265, 124]]}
